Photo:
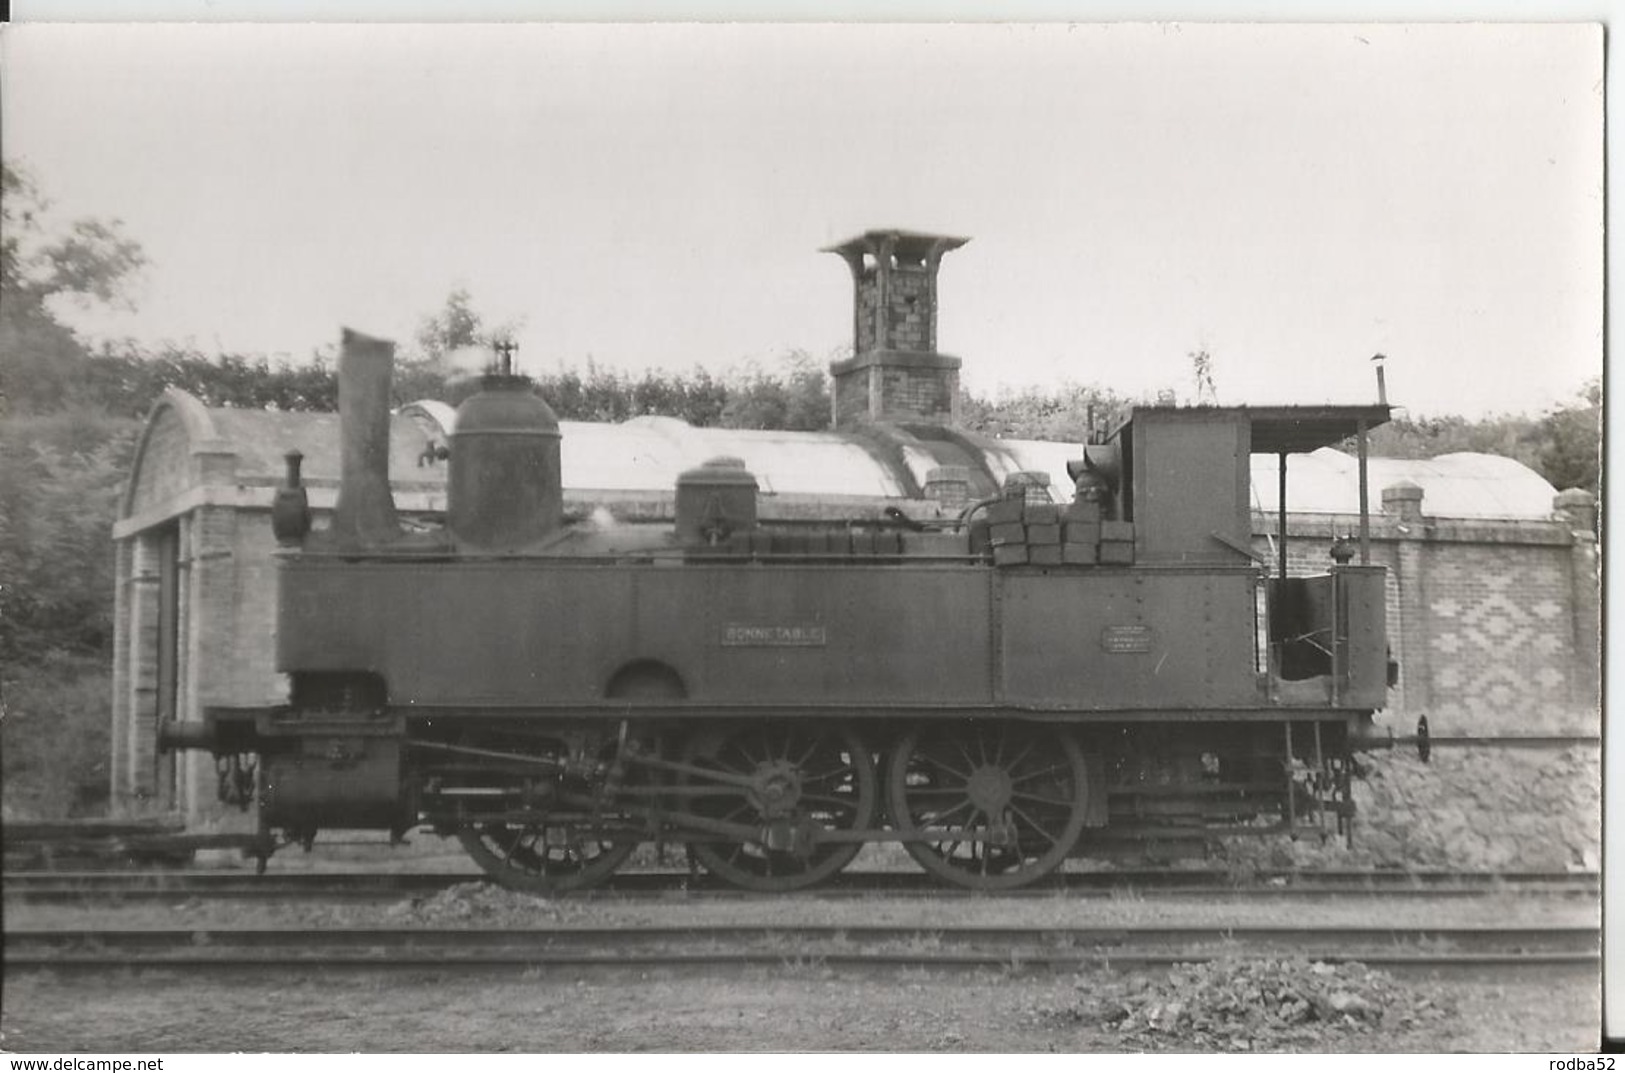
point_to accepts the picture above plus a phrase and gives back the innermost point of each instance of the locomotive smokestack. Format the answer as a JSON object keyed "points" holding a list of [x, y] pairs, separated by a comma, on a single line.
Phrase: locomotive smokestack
{"points": [[365, 512]]}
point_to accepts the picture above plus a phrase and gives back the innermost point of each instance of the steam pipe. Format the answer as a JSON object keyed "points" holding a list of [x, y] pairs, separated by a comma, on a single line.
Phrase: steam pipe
{"points": [[365, 512], [175, 735], [1365, 504], [1280, 511], [965, 515]]}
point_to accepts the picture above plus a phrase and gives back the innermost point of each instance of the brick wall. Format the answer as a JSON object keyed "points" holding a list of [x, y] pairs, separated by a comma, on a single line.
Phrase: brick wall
{"points": [[909, 316], [1496, 616], [123, 646], [1487, 619], [221, 652], [866, 300], [919, 393], [885, 391], [851, 398], [135, 779], [910, 323], [253, 678]]}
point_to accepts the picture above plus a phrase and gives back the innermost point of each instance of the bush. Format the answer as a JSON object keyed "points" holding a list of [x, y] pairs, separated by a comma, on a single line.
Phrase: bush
{"points": [[55, 739], [59, 496]]}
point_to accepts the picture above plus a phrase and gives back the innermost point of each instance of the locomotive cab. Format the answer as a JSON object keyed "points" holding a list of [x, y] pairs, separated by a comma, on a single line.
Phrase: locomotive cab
{"points": [[1186, 484]]}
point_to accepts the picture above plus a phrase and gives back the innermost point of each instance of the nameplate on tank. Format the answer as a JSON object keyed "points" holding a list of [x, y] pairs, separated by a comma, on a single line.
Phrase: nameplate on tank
{"points": [[738, 635], [1126, 639]]}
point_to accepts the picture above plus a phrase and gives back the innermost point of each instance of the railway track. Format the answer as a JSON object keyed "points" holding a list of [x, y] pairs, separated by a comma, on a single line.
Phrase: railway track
{"points": [[158, 886], [1498, 741], [722, 946]]}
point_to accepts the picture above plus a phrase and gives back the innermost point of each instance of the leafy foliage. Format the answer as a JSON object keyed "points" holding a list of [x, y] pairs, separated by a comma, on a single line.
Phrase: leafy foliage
{"points": [[1570, 453], [55, 739], [1067, 413], [798, 400], [1563, 445], [59, 493], [92, 262], [455, 327], [40, 359]]}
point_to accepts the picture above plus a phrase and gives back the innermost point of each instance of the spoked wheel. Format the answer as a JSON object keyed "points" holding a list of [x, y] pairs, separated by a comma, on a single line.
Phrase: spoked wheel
{"points": [[1005, 801], [542, 859], [790, 782]]}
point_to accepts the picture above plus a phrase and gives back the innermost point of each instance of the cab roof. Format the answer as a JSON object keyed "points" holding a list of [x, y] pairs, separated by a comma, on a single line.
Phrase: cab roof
{"points": [[1279, 429]]}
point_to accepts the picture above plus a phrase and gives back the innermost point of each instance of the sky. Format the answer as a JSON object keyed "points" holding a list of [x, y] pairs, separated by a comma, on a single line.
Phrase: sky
{"points": [[1292, 199]]}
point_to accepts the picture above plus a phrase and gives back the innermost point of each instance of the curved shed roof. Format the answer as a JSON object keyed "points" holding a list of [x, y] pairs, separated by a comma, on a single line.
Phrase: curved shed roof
{"points": [[645, 455], [1463, 485], [648, 453], [186, 445]]}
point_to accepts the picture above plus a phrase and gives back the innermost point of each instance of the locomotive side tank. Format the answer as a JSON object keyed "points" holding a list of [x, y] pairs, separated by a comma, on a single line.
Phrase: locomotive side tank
{"points": [[996, 690]]}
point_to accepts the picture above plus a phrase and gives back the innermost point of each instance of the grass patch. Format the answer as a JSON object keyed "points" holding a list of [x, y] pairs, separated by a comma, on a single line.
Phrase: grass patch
{"points": [[56, 739]]}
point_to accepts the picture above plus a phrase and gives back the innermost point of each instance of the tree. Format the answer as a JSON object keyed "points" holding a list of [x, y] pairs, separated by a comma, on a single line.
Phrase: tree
{"points": [[1571, 450], [66, 460], [797, 399], [436, 365], [1068, 413], [455, 327], [1563, 445], [92, 262], [59, 494]]}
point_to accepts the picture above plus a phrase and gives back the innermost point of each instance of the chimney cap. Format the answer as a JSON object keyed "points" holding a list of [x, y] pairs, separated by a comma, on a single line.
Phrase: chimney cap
{"points": [[351, 338], [907, 245]]}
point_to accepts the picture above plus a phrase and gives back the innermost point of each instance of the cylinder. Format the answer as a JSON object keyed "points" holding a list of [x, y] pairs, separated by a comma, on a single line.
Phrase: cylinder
{"points": [[504, 488], [365, 511]]}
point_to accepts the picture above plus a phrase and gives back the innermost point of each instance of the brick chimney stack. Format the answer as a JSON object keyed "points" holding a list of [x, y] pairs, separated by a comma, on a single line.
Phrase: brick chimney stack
{"points": [[895, 372]]}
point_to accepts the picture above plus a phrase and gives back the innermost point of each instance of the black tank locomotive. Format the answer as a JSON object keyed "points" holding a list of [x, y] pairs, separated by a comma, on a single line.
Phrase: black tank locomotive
{"points": [[995, 690]]}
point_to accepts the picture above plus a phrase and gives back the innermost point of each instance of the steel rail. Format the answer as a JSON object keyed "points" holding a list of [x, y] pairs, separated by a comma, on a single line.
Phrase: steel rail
{"points": [[1056, 961], [151, 885], [725, 945], [1470, 938], [1496, 741]]}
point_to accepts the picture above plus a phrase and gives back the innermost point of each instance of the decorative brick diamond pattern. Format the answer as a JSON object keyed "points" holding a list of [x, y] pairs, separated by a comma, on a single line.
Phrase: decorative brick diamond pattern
{"points": [[1500, 639]]}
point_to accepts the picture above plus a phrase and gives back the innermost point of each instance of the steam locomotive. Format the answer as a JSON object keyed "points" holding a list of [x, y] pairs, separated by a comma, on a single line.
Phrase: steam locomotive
{"points": [[995, 689]]}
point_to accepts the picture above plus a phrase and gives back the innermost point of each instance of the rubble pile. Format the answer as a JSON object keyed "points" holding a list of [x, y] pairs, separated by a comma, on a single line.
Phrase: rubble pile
{"points": [[1474, 809], [479, 904], [1492, 809], [1257, 1004]]}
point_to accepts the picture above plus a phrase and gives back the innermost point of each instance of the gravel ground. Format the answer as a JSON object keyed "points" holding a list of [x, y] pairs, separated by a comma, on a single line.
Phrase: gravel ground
{"points": [[794, 1008], [799, 1006], [486, 906]]}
